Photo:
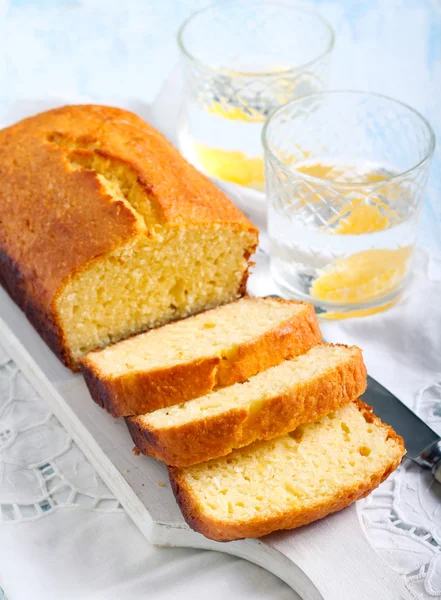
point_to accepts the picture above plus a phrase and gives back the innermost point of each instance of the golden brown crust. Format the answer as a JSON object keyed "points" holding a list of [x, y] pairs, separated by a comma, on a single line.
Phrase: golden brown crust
{"points": [[140, 392], [224, 532], [10, 280], [177, 448], [56, 220], [143, 392], [371, 417], [291, 338], [204, 439]]}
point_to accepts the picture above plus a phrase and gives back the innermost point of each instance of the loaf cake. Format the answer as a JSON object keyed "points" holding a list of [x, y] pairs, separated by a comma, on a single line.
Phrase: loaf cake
{"points": [[189, 358], [106, 231], [290, 481], [269, 404]]}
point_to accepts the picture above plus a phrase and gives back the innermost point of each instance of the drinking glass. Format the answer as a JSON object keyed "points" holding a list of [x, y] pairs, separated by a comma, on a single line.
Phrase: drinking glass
{"points": [[345, 180], [241, 60]]}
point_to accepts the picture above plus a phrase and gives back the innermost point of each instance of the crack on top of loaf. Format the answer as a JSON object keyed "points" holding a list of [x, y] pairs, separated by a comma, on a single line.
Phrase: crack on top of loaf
{"points": [[85, 142], [118, 178]]}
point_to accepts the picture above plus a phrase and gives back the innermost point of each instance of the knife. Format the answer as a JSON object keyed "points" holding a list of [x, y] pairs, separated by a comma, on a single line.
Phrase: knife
{"points": [[423, 445]]}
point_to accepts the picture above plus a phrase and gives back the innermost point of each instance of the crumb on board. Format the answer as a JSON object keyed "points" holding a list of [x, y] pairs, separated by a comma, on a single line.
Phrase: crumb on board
{"points": [[161, 483], [127, 470], [135, 451]]}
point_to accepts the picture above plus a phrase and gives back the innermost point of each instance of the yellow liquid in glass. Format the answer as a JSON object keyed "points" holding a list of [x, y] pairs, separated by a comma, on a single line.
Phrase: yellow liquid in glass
{"points": [[366, 275], [357, 277], [232, 165]]}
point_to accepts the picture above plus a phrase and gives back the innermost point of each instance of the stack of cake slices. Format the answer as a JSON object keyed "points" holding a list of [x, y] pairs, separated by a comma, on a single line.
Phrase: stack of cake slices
{"points": [[259, 422]]}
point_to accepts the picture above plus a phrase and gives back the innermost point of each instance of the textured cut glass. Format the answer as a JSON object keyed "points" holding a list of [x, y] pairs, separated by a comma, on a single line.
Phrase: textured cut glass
{"points": [[345, 174], [240, 62]]}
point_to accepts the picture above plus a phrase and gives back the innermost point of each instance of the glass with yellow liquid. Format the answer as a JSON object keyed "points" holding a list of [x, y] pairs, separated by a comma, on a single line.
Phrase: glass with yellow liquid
{"points": [[345, 180], [241, 61]]}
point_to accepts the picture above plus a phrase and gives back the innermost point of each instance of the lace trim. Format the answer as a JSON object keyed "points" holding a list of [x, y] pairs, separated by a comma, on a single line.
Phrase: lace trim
{"points": [[41, 467], [402, 517]]}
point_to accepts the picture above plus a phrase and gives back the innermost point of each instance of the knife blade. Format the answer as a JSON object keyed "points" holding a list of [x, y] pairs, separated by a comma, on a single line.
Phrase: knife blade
{"points": [[423, 445]]}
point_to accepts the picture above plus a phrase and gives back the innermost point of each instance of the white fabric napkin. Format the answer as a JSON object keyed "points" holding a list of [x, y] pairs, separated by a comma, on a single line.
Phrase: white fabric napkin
{"points": [[76, 554]]}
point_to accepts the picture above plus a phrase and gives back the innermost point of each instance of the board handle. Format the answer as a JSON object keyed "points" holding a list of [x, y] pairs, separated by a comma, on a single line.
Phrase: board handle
{"points": [[327, 560], [336, 555]]}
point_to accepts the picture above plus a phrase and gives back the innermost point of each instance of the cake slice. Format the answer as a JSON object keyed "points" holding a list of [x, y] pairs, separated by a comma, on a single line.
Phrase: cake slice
{"points": [[269, 404], [292, 480], [189, 358]]}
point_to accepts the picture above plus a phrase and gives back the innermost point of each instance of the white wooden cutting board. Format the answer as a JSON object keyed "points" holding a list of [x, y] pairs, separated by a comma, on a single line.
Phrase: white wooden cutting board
{"points": [[329, 560]]}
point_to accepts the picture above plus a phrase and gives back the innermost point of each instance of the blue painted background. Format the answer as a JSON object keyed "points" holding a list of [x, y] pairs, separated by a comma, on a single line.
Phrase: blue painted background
{"points": [[108, 49]]}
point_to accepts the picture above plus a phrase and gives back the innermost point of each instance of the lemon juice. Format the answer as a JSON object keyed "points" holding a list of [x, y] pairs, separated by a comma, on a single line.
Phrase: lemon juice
{"points": [[223, 141], [349, 243]]}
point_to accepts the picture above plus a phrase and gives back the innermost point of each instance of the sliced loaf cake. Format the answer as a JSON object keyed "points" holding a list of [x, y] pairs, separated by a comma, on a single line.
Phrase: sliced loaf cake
{"points": [[292, 480], [269, 404], [189, 358]]}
